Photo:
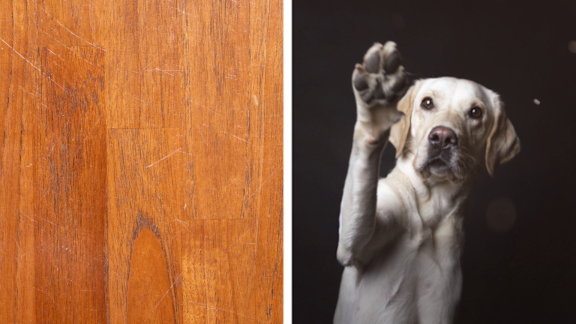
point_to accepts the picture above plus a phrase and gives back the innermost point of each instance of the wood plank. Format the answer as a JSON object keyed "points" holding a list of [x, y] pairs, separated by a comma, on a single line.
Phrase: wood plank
{"points": [[19, 93], [70, 183], [115, 25], [144, 191], [270, 228], [218, 108], [148, 284], [194, 303], [230, 261], [243, 254], [248, 266], [160, 41]]}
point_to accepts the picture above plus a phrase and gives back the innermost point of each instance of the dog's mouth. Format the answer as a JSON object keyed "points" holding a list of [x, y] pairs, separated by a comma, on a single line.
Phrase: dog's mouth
{"points": [[445, 164], [438, 164]]}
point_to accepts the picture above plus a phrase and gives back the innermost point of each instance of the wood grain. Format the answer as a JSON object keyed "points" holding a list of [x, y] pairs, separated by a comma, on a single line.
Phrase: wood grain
{"points": [[220, 106], [70, 186], [19, 88], [148, 283], [144, 192], [141, 161]]}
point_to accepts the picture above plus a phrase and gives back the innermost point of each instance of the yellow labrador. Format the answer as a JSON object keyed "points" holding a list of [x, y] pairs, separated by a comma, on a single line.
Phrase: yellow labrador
{"points": [[401, 236]]}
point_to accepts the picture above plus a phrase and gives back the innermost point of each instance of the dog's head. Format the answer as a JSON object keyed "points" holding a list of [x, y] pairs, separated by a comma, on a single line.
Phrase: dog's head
{"points": [[452, 127]]}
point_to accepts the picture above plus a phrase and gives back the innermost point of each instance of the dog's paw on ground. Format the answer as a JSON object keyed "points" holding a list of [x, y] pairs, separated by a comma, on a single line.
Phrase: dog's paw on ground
{"points": [[380, 80]]}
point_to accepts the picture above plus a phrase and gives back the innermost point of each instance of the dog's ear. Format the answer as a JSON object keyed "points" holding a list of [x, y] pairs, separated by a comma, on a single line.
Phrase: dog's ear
{"points": [[399, 131], [503, 143]]}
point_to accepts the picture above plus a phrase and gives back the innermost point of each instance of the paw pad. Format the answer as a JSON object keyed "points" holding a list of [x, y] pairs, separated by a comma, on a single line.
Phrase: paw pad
{"points": [[381, 77]]}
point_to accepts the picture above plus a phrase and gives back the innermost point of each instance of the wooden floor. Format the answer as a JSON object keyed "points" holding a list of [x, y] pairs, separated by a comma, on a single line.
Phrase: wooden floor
{"points": [[141, 161]]}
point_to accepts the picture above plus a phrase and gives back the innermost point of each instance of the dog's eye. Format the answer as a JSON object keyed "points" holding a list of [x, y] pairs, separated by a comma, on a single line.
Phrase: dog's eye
{"points": [[475, 112], [427, 103]]}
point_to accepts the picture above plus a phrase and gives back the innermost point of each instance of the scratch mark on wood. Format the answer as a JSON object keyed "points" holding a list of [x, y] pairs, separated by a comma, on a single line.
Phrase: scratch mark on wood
{"points": [[241, 139], [25, 59], [167, 156], [39, 6], [164, 71], [260, 187], [204, 139]]}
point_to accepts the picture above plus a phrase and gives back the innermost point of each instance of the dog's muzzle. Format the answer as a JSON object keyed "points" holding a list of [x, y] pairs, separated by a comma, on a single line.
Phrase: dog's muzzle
{"points": [[442, 142]]}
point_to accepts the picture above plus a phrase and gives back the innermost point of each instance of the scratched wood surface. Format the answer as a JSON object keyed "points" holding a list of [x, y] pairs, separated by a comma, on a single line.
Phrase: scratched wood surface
{"points": [[141, 161]]}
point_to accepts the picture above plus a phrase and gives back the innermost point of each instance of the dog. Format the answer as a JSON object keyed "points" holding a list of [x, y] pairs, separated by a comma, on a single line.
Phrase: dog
{"points": [[401, 237]]}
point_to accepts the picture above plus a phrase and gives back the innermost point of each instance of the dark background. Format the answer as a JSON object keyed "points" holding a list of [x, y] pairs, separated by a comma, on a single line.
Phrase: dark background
{"points": [[519, 49]]}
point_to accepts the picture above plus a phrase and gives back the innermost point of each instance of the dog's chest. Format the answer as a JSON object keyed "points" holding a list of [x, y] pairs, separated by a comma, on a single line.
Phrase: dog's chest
{"points": [[435, 234], [427, 216], [420, 269]]}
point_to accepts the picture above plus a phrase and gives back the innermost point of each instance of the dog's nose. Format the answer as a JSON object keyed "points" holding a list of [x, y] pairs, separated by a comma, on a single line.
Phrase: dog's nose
{"points": [[443, 137]]}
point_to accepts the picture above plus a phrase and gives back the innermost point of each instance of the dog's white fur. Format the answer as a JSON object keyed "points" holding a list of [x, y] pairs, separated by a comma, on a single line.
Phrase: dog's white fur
{"points": [[401, 236]]}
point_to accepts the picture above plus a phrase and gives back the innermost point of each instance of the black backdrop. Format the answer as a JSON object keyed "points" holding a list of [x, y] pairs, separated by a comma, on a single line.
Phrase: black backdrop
{"points": [[519, 49]]}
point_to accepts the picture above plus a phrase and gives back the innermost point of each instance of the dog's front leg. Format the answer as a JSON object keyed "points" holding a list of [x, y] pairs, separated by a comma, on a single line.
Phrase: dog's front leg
{"points": [[378, 84]]}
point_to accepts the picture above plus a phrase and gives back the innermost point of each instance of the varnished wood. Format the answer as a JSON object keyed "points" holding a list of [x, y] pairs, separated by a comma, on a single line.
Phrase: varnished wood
{"points": [[70, 185], [141, 161], [19, 88], [145, 191], [148, 284]]}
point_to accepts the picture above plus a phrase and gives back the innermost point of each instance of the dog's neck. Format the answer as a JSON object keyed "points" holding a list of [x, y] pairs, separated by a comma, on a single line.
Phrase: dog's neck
{"points": [[447, 197]]}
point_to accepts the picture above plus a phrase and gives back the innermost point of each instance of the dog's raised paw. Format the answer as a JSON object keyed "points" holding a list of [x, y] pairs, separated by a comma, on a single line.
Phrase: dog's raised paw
{"points": [[381, 78]]}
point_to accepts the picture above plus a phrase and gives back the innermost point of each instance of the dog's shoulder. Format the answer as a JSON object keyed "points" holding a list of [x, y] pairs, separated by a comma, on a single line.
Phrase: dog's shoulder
{"points": [[396, 196]]}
